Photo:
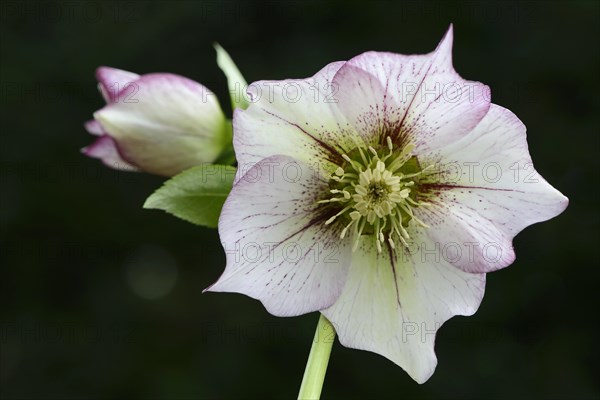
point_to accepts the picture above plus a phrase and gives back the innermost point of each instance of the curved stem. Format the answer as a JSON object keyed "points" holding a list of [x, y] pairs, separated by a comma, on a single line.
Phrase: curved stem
{"points": [[316, 367]]}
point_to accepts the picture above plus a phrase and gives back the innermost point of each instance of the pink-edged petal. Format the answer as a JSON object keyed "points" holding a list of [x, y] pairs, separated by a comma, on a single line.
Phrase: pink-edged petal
{"points": [[169, 124], [278, 248], [296, 117], [105, 149], [93, 127], [411, 98], [393, 303], [491, 192], [115, 84]]}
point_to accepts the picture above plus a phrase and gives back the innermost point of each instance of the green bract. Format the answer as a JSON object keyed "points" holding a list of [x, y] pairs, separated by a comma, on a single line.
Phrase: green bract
{"points": [[235, 81], [195, 195]]}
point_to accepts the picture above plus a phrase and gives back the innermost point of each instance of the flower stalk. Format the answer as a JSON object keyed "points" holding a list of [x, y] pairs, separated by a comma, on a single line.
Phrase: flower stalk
{"points": [[316, 367]]}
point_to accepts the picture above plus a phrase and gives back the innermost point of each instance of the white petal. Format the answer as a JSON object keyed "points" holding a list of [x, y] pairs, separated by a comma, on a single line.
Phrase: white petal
{"points": [[93, 127], [169, 124], [411, 98], [393, 305], [278, 248], [298, 118], [491, 192], [115, 84], [105, 149]]}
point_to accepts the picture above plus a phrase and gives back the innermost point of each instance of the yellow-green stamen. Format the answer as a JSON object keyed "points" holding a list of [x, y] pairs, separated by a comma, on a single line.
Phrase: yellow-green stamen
{"points": [[376, 193]]}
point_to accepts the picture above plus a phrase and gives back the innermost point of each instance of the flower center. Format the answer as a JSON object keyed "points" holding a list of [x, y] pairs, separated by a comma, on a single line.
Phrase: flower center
{"points": [[376, 192]]}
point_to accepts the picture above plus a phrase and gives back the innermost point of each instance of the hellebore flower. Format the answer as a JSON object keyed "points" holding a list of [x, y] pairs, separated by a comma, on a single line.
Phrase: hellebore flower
{"points": [[158, 123], [380, 193]]}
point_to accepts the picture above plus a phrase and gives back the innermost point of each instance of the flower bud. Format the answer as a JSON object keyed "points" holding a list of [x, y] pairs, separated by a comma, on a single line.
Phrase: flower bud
{"points": [[158, 123]]}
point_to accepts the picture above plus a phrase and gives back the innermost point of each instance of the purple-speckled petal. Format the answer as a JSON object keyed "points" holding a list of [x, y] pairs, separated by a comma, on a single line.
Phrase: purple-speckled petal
{"points": [[299, 118], [393, 303], [490, 193], [411, 98], [278, 248]]}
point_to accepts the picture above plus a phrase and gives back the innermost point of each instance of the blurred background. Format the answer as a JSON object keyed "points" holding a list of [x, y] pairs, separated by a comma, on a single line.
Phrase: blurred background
{"points": [[102, 299]]}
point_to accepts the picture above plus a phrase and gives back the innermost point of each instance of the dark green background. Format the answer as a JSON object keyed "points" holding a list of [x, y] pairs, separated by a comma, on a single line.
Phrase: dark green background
{"points": [[71, 326]]}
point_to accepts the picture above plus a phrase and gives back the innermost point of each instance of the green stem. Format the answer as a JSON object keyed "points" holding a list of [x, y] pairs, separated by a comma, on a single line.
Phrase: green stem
{"points": [[316, 367]]}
